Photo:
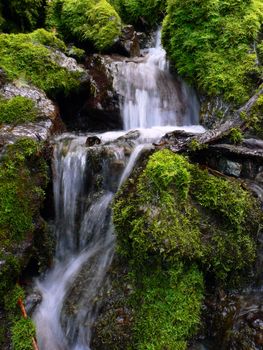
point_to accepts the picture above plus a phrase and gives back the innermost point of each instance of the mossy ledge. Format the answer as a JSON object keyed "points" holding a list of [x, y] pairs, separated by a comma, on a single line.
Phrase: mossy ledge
{"points": [[23, 235], [175, 219]]}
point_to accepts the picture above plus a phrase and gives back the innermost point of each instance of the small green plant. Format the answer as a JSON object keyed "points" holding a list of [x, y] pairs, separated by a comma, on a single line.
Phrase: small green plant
{"points": [[18, 110], [236, 136], [24, 15], [194, 145]]}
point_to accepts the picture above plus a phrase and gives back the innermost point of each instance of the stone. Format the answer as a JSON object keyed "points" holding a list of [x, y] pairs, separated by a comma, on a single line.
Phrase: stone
{"points": [[129, 42], [92, 141], [229, 167]]}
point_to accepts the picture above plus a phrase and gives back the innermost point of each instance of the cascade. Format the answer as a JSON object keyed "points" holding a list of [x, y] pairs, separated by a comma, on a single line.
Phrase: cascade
{"points": [[85, 180]]}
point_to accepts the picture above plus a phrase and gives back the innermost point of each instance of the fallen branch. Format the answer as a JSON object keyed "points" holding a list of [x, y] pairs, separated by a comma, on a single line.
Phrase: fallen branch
{"points": [[212, 136]]}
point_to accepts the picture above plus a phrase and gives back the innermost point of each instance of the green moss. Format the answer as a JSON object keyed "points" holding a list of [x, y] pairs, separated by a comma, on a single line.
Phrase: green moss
{"points": [[168, 305], [157, 215], [194, 145], [149, 12], [85, 21], [213, 44], [178, 211], [18, 110], [23, 332], [236, 136], [20, 189], [25, 56]]}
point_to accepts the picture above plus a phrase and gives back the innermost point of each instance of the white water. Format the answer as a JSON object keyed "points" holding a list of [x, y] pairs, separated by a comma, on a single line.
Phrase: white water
{"points": [[151, 96], [85, 180]]}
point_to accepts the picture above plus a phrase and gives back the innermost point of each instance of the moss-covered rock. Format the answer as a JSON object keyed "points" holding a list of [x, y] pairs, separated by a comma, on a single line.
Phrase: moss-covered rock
{"points": [[33, 58], [85, 21], [18, 110], [214, 45], [23, 175], [170, 218], [178, 211]]}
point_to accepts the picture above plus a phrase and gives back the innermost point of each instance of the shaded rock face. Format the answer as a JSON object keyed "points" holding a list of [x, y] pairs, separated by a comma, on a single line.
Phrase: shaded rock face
{"points": [[95, 106], [236, 322], [129, 42]]}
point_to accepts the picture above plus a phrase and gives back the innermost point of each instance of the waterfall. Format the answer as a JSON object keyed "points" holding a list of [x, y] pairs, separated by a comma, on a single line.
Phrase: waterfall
{"points": [[150, 95], [84, 182]]}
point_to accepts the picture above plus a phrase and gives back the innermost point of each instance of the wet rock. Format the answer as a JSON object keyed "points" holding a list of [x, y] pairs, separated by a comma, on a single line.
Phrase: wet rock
{"points": [[128, 43], [92, 141], [131, 135], [259, 177], [32, 301], [229, 167], [253, 143], [67, 62], [95, 106]]}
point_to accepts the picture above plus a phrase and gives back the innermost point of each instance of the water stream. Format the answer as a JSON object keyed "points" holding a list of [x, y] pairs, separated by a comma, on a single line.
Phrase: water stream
{"points": [[85, 180]]}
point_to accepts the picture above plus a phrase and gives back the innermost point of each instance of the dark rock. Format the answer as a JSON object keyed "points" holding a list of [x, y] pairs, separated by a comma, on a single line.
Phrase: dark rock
{"points": [[229, 167], [128, 43], [92, 141], [3, 77], [95, 106]]}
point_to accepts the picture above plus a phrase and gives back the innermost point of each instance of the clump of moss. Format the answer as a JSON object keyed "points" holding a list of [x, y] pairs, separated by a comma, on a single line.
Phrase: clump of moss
{"points": [[85, 21], [236, 136], [26, 56], [178, 211], [169, 312], [214, 45], [23, 176], [146, 12], [18, 110]]}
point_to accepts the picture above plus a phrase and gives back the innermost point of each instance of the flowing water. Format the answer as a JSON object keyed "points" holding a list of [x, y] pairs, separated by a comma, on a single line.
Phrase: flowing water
{"points": [[85, 180]]}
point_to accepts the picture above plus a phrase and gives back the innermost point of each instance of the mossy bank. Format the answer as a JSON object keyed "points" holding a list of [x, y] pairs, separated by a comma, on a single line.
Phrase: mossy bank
{"points": [[23, 233]]}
